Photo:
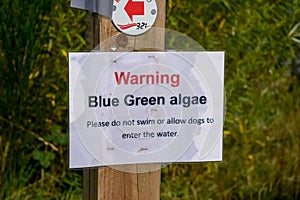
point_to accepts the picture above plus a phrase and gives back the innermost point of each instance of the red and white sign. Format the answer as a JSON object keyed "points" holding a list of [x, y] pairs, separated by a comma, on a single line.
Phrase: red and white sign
{"points": [[134, 17]]}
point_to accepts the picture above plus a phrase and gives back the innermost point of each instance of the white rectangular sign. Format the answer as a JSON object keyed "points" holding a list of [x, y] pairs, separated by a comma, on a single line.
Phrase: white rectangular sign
{"points": [[145, 107]]}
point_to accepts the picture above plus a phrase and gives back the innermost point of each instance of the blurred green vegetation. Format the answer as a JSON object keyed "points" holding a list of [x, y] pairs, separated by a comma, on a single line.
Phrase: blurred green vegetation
{"points": [[261, 39]]}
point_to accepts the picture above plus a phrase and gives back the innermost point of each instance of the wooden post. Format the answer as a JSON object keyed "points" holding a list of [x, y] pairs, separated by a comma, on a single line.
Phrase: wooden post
{"points": [[119, 183], [90, 175]]}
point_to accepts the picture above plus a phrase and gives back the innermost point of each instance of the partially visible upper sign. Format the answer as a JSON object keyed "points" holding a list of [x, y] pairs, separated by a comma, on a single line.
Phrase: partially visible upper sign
{"points": [[134, 17], [102, 7]]}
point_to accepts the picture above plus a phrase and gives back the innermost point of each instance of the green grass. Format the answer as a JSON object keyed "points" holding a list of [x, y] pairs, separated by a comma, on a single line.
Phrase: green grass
{"points": [[261, 132], [35, 38]]}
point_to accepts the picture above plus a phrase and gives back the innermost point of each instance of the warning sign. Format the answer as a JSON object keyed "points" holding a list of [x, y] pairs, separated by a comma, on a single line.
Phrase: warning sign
{"points": [[145, 107], [134, 17]]}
